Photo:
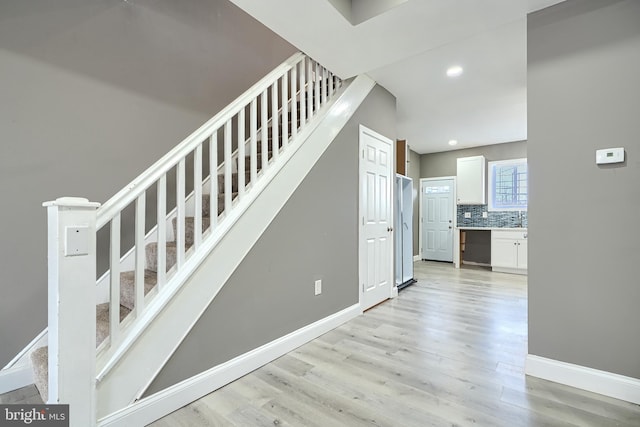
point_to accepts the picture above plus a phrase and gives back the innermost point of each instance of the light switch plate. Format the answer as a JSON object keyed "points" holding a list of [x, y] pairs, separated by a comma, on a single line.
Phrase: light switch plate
{"points": [[76, 241], [318, 287], [467, 214], [485, 215]]}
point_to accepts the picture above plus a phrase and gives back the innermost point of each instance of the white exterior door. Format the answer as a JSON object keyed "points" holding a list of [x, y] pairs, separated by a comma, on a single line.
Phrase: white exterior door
{"points": [[437, 219], [376, 222]]}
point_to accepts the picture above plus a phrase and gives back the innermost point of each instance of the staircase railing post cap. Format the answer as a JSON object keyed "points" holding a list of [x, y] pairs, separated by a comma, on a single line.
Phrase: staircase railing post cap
{"points": [[76, 202]]}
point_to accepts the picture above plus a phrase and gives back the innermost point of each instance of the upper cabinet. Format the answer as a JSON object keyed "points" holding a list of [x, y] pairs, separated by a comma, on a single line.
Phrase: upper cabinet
{"points": [[471, 181]]}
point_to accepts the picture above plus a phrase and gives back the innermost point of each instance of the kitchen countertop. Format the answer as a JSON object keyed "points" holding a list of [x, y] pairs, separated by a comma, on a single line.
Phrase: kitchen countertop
{"points": [[493, 228]]}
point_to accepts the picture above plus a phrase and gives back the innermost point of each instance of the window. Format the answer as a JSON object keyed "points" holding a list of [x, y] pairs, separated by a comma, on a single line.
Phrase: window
{"points": [[438, 189], [508, 185]]}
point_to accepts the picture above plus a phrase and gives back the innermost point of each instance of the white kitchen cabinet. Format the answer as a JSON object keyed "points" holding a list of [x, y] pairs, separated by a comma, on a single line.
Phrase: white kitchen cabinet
{"points": [[471, 181], [509, 251]]}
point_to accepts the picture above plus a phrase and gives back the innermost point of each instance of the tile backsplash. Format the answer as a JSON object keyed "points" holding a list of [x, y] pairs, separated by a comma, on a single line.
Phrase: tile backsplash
{"points": [[505, 219]]}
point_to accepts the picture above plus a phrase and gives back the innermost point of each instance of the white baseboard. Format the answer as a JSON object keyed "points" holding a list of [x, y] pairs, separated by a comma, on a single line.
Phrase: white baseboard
{"points": [[601, 382], [22, 358], [478, 264], [417, 257], [14, 378], [166, 401], [507, 270]]}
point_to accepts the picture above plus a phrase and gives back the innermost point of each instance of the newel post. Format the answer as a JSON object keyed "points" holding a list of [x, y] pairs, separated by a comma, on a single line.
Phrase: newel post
{"points": [[72, 306]]}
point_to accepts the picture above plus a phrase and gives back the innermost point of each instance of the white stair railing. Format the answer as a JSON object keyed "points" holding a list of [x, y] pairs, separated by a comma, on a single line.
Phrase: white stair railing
{"points": [[259, 124]]}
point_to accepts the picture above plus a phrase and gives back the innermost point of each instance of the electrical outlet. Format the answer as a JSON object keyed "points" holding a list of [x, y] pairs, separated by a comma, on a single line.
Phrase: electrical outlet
{"points": [[484, 215], [318, 287], [467, 214]]}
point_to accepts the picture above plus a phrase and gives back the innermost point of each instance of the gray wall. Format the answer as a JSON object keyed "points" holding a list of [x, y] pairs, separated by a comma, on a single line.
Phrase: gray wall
{"points": [[271, 293], [584, 246], [414, 174], [435, 165], [93, 92]]}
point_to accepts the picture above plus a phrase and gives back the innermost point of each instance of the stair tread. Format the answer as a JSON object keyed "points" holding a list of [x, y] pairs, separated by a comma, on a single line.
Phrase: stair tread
{"points": [[127, 288], [151, 253], [40, 356], [102, 321], [189, 223], [234, 181], [206, 203], [40, 365]]}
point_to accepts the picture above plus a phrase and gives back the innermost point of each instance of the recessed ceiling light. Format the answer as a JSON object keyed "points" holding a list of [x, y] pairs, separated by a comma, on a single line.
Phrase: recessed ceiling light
{"points": [[454, 71], [452, 142]]}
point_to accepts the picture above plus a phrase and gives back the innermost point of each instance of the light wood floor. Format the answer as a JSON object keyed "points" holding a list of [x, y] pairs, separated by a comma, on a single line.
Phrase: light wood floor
{"points": [[449, 351]]}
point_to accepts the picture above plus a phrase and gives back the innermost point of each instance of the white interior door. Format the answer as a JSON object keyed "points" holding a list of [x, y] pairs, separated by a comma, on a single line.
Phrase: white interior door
{"points": [[437, 219], [376, 250]]}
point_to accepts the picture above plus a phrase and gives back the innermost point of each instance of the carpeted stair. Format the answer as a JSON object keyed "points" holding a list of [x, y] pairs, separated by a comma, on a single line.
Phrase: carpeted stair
{"points": [[40, 356]]}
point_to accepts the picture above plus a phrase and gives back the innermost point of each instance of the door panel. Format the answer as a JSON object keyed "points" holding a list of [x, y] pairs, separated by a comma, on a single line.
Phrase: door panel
{"points": [[370, 282], [522, 253], [384, 199], [431, 240], [443, 241], [431, 210], [382, 261], [504, 253], [376, 251]]}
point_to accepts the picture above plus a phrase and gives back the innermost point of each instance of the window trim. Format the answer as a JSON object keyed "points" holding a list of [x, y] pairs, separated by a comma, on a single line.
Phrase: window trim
{"points": [[491, 184]]}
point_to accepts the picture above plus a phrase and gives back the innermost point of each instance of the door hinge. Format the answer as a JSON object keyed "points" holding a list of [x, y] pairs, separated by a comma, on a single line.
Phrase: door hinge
{"points": [[363, 153]]}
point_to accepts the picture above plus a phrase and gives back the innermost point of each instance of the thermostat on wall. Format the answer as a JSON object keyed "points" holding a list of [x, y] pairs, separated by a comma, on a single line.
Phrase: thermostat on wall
{"points": [[609, 155]]}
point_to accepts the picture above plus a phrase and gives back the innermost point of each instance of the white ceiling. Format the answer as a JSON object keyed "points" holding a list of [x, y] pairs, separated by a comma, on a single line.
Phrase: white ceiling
{"points": [[408, 50]]}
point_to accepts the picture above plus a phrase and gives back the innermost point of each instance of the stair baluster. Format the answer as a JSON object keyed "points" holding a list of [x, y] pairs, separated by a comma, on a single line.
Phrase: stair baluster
{"points": [[162, 233], [275, 136], [253, 144], [241, 153], [294, 102], [197, 190], [264, 132], [285, 111]]}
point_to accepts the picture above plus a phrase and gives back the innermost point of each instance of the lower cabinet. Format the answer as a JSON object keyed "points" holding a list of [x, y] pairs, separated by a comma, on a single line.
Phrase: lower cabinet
{"points": [[509, 251]]}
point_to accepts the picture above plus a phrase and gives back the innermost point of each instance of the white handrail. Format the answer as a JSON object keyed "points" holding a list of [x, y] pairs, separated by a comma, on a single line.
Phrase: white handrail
{"points": [[145, 180]]}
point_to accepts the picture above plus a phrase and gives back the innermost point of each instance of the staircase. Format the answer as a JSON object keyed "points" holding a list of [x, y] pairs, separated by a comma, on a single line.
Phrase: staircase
{"points": [[39, 357], [238, 161]]}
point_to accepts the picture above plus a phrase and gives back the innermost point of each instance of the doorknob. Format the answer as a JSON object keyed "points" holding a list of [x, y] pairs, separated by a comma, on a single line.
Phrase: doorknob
{"points": [[450, 227], [389, 228]]}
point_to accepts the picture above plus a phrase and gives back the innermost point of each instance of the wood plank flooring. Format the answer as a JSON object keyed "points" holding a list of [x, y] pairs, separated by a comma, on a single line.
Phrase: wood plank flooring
{"points": [[449, 351]]}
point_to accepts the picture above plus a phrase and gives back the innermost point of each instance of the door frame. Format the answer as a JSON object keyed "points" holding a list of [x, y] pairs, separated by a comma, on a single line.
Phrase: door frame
{"points": [[423, 183], [393, 291]]}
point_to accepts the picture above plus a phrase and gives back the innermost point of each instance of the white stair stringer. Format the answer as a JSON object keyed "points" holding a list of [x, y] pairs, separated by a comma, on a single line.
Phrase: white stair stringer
{"points": [[136, 368]]}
